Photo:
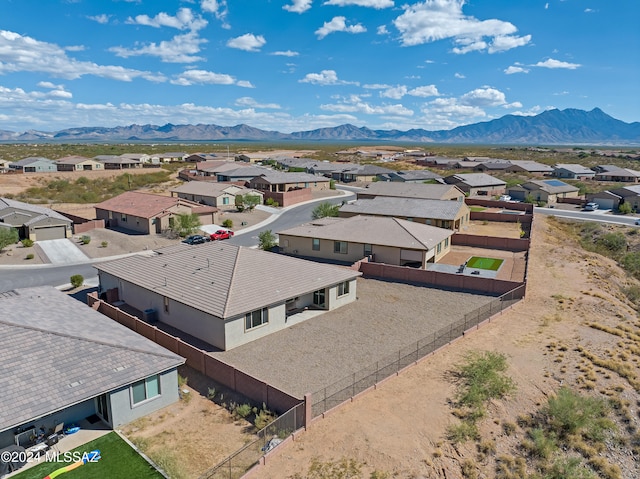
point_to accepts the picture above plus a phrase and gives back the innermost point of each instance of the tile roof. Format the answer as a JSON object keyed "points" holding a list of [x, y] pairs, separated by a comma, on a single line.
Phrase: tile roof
{"points": [[575, 168], [208, 188], [550, 186], [383, 231], [476, 179], [50, 341], [72, 160], [532, 166], [277, 178], [244, 172], [223, 279], [407, 207], [145, 205], [410, 190], [31, 160], [39, 212]]}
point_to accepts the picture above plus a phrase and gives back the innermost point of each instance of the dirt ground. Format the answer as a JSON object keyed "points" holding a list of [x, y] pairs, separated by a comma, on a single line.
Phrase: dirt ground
{"points": [[400, 427]]}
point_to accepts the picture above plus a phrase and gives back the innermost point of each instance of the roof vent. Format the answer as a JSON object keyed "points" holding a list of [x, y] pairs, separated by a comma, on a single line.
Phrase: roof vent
{"points": [[120, 368], [74, 384]]}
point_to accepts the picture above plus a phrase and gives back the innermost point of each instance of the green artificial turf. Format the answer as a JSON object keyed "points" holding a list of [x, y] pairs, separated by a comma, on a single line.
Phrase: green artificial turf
{"points": [[492, 264], [118, 461]]}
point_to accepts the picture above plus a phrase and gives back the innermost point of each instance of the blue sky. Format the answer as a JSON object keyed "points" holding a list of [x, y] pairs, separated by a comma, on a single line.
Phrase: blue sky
{"points": [[303, 64]]}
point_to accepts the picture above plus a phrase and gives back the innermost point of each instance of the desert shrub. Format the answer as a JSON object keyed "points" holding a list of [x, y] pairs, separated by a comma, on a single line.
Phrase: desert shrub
{"points": [[267, 240], [242, 411], [468, 469], [104, 244], [264, 417], [540, 444], [8, 236], [269, 201], [228, 223], [463, 431], [30, 256], [76, 280], [27, 243], [182, 380], [625, 209], [332, 184], [482, 379], [85, 239], [568, 468], [211, 393], [613, 242]]}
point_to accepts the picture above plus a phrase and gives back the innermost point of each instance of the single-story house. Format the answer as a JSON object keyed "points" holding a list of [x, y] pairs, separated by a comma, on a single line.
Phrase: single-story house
{"points": [[447, 214], [617, 174], [410, 176], [477, 184], [242, 173], [146, 213], [359, 173], [33, 222], [114, 162], [78, 163], [198, 157], [411, 190], [171, 157], [213, 167], [141, 157], [62, 362], [484, 167], [223, 294], [276, 181], [34, 165], [441, 162], [381, 239], [329, 168], [543, 190], [626, 194], [531, 167], [605, 200], [4, 165], [215, 194], [306, 164], [573, 171]]}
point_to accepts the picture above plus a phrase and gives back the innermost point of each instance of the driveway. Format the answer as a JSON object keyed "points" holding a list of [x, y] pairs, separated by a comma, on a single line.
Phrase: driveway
{"points": [[62, 251]]}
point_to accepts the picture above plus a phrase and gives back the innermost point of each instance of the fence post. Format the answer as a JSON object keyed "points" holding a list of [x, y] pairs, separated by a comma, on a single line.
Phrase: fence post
{"points": [[308, 412]]}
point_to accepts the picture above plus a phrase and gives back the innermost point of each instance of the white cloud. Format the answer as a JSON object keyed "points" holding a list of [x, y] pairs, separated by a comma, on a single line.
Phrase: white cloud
{"points": [[424, 91], [247, 42], [325, 77], [382, 30], [102, 18], [218, 8], [377, 4], [368, 109], [376, 86], [338, 24], [21, 53], [590, 10], [202, 77], [515, 69], [286, 53], [184, 20], [394, 92], [546, 6], [551, 63], [448, 110], [48, 84], [483, 97], [459, 75], [180, 49], [299, 6], [434, 20], [247, 101]]}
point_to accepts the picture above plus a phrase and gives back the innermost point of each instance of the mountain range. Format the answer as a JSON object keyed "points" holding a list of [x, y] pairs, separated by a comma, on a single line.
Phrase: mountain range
{"points": [[552, 127]]}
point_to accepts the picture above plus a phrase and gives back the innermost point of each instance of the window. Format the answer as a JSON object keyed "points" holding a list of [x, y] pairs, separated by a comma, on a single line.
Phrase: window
{"points": [[439, 248], [145, 389], [343, 288], [368, 249], [123, 218], [409, 218], [340, 247], [256, 318], [225, 200], [446, 242], [319, 297], [315, 244]]}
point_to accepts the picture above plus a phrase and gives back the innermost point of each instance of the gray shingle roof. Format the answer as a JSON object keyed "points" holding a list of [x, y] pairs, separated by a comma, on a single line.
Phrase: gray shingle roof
{"points": [[225, 280], [575, 168], [406, 207], [477, 179], [550, 186], [208, 188], [39, 212], [384, 231], [50, 341], [277, 177]]}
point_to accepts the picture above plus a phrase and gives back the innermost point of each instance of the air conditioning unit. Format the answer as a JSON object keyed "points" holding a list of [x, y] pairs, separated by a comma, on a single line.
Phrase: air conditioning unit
{"points": [[150, 316]]}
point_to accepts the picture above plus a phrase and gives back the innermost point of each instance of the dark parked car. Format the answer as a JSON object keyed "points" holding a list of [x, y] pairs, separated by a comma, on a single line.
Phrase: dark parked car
{"points": [[194, 239]]}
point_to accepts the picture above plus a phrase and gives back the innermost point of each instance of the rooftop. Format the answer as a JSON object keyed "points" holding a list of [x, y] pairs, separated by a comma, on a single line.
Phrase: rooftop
{"points": [[57, 352], [143, 205], [411, 190], [406, 207]]}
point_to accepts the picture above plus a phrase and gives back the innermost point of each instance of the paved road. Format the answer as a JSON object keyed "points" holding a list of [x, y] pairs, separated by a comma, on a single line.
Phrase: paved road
{"points": [[56, 275], [600, 216]]}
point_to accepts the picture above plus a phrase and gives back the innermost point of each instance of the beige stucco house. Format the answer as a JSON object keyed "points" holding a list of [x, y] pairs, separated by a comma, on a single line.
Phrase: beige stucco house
{"points": [[381, 239], [220, 195], [275, 181], [78, 163], [224, 294], [412, 190], [448, 214], [146, 213], [547, 191], [33, 222], [477, 184]]}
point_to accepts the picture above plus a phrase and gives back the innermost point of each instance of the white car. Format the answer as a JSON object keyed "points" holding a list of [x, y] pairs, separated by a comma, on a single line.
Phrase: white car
{"points": [[591, 206]]}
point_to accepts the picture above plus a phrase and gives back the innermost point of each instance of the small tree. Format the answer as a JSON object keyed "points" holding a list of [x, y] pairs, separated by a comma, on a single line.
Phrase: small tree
{"points": [[228, 223], [625, 208], [8, 236], [240, 203], [251, 201], [186, 224], [324, 210], [266, 240], [77, 280]]}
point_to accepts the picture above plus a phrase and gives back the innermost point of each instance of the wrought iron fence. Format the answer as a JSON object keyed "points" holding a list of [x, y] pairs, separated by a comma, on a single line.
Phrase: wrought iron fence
{"points": [[349, 386], [238, 463]]}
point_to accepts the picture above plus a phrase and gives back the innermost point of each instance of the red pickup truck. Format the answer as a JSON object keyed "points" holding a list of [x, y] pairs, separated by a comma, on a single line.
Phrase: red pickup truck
{"points": [[221, 234]]}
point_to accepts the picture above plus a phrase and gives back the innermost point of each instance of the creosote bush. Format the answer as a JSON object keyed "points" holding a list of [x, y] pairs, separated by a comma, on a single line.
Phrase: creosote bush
{"points": [[76, 280]]}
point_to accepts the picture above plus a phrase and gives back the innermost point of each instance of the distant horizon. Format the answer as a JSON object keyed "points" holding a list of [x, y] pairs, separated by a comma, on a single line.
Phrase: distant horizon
{"points": [[300, 65]]}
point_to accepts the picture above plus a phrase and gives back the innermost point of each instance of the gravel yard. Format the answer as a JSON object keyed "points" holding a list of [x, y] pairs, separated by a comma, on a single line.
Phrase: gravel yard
{"points": [[387, 317]]}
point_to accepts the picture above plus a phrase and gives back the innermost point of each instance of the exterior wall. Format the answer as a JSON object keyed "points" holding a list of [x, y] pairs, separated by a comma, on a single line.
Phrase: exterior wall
{"points": [[283, 187], [336, 301], [121, 407], [235, 327], [185, 318], [484, 190], [216, 201]]}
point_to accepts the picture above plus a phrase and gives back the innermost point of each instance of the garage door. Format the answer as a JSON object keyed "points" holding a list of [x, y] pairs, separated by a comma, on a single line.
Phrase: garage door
{"points": [[604, 203], [50, 232]]}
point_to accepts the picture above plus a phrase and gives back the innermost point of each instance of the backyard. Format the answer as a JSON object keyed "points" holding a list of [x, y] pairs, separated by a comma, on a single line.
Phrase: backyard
{"points": [[117, 461]]}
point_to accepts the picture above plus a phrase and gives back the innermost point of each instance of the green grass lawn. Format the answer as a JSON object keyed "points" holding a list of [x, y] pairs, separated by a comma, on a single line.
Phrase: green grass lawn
{"points": [[119, 461], [477, 208], [492, 264]]}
